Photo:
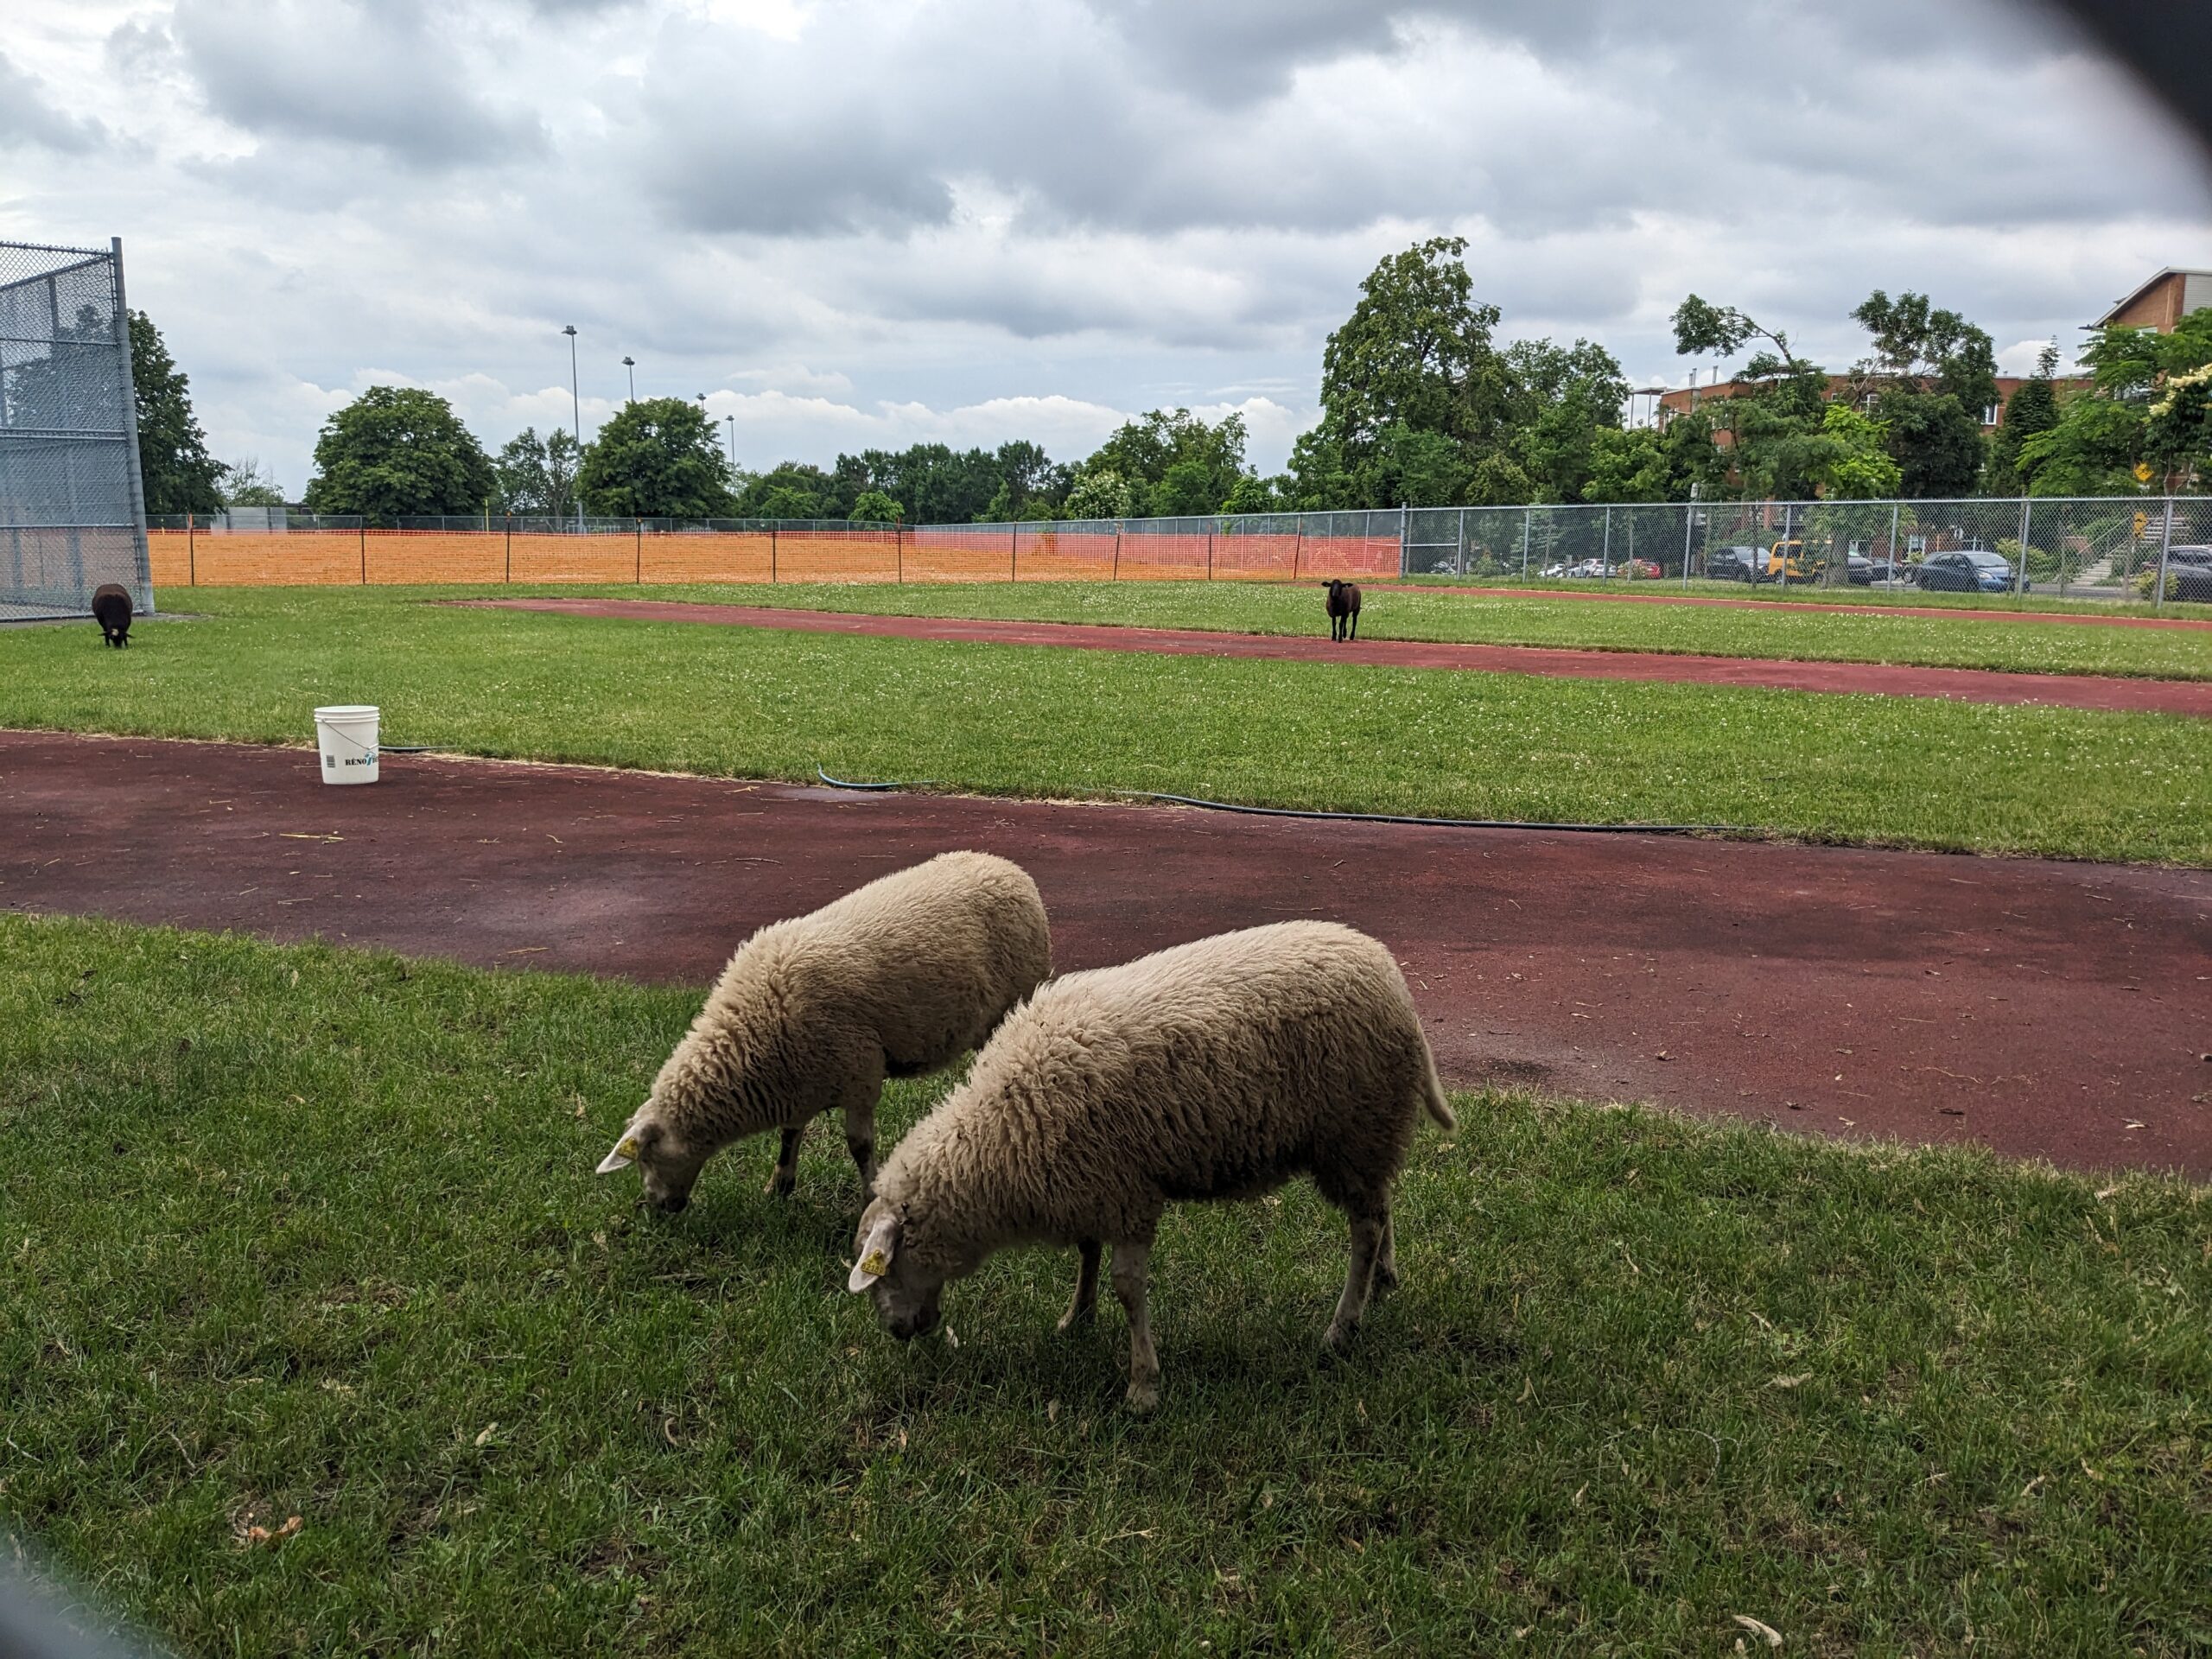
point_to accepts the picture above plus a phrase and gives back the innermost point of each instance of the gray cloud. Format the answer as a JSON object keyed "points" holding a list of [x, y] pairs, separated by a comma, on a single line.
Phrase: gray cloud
{"points": [[382, 77], [29, 116], [1047, 210]]}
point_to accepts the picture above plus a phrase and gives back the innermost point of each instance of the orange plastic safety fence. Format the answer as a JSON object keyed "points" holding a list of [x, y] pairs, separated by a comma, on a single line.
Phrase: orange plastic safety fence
{"points": [[931, 553]]}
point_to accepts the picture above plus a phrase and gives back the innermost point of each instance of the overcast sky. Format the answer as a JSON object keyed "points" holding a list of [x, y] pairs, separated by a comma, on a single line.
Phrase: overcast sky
{"points": [[854, 224]]}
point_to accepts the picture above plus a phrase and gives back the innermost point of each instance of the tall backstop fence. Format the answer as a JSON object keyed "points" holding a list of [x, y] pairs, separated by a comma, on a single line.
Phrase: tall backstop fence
{"points": [[72, 508], [2143, 549]]}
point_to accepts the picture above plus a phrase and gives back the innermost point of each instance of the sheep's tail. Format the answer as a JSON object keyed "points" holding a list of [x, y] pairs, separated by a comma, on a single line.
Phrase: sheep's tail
{"points": [[1438, 1108]]}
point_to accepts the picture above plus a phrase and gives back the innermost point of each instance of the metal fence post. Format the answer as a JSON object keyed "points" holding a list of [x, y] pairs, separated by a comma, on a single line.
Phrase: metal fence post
{"points": [[361, 529], [1463, 542], [771, 555], [1115, 574], [1605, 549], [1689, 524], [1209, 550], [507, 524], [2020, 575], [1528, 518], [191, 553], [2166, 541], [637, 559], [1014, 555], [1892, 576], [1403, 531], [1789, 509], [1298, 547], [898, 550]]}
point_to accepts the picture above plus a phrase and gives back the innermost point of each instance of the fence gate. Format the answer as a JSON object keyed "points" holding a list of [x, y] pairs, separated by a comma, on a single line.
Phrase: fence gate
{"points": [[72, 513]]}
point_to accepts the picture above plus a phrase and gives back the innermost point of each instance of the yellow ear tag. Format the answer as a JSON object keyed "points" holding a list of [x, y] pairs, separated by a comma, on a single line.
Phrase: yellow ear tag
{"points": [[626, 1146], [876, 1262]]}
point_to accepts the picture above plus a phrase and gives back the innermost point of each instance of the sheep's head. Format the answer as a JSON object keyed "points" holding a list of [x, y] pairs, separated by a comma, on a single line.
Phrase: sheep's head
{"points": [[668, 1164], [906, 1295]]}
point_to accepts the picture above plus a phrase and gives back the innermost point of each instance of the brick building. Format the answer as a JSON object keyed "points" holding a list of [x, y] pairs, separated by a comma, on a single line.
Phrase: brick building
{"points": [[2162, 302]]}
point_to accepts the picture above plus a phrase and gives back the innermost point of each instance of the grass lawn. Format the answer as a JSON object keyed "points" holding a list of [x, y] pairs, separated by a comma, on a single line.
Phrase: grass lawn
{"points": [[1868, 634], [1031, 721], [296, 1231]]}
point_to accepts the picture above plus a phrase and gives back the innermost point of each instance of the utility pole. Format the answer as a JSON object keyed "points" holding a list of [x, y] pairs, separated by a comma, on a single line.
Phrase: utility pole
{"points": [[576, 414]]}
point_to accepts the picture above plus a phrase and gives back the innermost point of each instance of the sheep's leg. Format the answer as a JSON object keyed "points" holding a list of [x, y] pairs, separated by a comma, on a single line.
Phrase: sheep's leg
{"points": [[1132, 1259], [1085, 1305], [1386, 1259], [1354, 631], [860, 1140], [785, 1181], [1366, 1244]]}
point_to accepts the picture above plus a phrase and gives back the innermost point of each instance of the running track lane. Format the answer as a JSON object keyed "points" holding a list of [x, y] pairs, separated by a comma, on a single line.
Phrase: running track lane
{"points": [[1970, 685], [2080, 619], [2044, 1008]]}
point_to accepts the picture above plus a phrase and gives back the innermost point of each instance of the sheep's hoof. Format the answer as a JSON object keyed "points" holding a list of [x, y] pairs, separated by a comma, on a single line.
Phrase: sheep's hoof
{"points": [[1385, 1278], [1077, 1318], [1144, 1396], [1337, 1338], [781, 1187]]}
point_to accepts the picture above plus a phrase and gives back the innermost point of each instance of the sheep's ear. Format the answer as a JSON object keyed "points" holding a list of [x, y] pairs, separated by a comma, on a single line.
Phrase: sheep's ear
{"points": [[876, 1251], [624, 1155]]}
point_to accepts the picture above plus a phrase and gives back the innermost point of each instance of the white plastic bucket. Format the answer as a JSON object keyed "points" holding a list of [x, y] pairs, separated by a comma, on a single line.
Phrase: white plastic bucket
{"points": [[347, 735]]}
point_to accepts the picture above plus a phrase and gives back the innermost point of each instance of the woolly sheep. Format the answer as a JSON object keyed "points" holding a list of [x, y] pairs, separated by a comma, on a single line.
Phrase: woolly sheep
{"points": [[895, 978], [1343, 605], [1216, 1069], [112, 610]]}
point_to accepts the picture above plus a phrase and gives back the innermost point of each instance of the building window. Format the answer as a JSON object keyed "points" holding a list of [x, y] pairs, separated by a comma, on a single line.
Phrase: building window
{"points": [[1989, 416]]}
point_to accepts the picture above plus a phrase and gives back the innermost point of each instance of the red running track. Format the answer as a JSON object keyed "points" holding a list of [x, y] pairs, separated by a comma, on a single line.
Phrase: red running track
{"points": [[2084, 619], [2044, 1008], [2192, 697]]}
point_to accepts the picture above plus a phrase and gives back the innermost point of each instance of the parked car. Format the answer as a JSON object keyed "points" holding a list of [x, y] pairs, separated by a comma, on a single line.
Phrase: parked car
{"points": [[1786, 561], [1640, 570], [1881, 573], [1588, 569], [1966, 570], [2189, 573], [1732, 563]]}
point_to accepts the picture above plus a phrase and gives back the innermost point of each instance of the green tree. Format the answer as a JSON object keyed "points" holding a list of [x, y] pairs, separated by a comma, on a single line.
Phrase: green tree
{"points": [[658, 458], [873, 507], [1930, 374], [1628, 465], [1412, 468], [178, 473], [1771, 423], [1253, 493], [2101, 436], [1205, 461], [2034, 409], [793, 490], [1936, 444], [246, 483], [1560, 398], [1854, 463], [1101, 492], [395, 451], [536, 476]]}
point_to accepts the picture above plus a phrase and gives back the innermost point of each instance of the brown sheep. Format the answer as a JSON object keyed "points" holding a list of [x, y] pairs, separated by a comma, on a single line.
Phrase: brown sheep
{"points": [[1344, 609], [112, 610]]}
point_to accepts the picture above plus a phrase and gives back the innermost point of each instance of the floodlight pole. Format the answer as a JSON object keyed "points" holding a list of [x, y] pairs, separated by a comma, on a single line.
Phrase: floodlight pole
{"points": [[630, 364], [730, 421], [577, 414]]}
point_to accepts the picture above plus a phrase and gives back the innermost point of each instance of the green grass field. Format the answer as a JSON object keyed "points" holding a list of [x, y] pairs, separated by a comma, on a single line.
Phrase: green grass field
{"points": [[1867, 633], [1042, 722], [292, 1231]]}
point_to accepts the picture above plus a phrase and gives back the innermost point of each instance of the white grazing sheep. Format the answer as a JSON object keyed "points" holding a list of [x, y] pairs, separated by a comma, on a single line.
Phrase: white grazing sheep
{"points": [[811, 1014], [1216, 1069]]}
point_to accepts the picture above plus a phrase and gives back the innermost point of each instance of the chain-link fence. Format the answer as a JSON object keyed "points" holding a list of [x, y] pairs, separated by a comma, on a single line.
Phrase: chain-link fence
{"points": [[72, 513], [2091, 548]]}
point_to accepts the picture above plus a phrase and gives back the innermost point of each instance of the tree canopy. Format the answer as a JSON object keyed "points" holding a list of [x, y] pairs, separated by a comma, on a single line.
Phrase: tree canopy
{"points": [[2146, 406], [537, 476], [179, 475], [657, 458], [396, 451]]}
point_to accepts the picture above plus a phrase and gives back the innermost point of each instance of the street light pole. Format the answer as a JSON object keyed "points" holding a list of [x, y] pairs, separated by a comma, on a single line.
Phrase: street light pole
{"points": [[730, 421], [630, 364]]}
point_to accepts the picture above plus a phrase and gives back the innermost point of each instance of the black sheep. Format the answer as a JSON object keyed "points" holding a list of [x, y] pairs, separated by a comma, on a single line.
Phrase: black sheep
{"points": [[1344, 609], [112, 610]]}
